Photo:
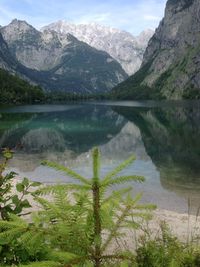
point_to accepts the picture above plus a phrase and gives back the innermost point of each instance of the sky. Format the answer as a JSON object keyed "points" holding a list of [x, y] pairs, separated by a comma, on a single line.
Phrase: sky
{"points": [[133, 16]]}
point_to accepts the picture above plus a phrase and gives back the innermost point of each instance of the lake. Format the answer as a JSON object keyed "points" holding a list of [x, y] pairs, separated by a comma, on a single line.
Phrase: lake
{"points": [[164, 136]]}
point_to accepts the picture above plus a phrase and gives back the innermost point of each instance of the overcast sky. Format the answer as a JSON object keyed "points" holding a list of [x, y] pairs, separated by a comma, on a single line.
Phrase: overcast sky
{"points": [[130, 15]]}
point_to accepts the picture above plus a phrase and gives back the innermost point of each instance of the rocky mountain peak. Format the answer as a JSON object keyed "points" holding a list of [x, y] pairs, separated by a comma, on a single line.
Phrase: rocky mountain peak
{"points": [[18, 29], [20, 25], [122, 46]]}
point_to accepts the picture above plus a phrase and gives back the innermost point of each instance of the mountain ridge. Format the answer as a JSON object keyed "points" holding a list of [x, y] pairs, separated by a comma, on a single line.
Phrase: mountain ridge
{"points": [[61, 64], [121, 45]]}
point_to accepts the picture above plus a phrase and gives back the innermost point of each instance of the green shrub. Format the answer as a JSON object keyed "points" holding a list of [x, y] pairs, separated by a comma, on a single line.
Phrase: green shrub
{"points": [[166, 251]]}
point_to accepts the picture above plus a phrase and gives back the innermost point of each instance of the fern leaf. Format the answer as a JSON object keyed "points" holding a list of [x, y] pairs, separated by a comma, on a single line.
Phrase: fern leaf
{"points": [[123, 179], [64, 257], [116, 196], [8, 236], [66, 170], [53, 189], [118, 169]]}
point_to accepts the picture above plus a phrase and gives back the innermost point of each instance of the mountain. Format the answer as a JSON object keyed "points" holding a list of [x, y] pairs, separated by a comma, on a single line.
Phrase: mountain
{"points": [[7, 61], [31, 47], [121, 45], [61, 63], [171, 64], [14, 89]]}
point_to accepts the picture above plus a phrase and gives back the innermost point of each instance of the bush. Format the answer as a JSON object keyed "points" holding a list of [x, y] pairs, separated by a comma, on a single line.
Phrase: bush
{"points": [[166, 251]]}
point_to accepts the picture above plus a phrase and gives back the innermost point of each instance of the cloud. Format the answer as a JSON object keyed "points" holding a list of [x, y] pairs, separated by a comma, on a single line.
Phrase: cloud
{"points": [[130, 15]]}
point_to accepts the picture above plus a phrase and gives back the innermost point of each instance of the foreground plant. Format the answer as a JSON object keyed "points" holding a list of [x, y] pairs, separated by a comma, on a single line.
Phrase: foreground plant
{"points": [[13, 198], [166, 250], [80, 223]]}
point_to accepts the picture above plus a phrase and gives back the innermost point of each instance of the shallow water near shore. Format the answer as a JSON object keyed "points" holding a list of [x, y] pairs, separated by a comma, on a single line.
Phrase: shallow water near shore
{"points": [[164, 136]]}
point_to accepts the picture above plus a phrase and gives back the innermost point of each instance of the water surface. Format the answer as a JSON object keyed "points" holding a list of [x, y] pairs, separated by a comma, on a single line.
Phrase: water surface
{"points": [[164, 136]]}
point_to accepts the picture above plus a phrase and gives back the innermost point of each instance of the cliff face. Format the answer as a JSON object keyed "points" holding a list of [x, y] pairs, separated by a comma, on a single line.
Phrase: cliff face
{"points": [[171, 64]]}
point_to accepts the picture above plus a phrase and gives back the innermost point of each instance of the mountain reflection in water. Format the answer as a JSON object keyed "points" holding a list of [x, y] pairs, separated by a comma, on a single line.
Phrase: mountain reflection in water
{"points": [[165, 140]]}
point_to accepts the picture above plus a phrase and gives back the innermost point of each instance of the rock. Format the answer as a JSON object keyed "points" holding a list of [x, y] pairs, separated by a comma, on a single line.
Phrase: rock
{"points": [[61, 63], [122, 46], [171, 64]]}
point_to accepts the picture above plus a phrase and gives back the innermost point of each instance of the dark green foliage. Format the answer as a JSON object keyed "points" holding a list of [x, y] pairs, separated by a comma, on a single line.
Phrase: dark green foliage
{"points": [[166, 251], [133, 88], [13, 202], [160, 82], [15, 90], [191, 93], [62, 97]]}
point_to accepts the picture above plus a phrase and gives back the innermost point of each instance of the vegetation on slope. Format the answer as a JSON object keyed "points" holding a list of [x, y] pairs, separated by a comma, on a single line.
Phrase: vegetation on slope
{"points": [[15, 90]]}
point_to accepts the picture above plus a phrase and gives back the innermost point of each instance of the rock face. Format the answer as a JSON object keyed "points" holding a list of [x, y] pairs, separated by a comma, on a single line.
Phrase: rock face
{"points": [[9, 63], [171, 64], [6, 59], [121, 45], [31, 47], [62, 62]]}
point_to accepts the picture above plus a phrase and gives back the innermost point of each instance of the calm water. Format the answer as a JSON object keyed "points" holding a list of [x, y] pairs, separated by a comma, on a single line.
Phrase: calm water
{"points": [[164, 136]]}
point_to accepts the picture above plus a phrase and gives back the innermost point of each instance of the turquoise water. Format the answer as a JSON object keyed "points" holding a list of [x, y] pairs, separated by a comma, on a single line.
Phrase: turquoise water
{"points": [[164, 136]]}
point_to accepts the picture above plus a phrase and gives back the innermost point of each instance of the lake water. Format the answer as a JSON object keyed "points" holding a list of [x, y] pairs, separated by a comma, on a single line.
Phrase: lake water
{"points": [[164, 136]]}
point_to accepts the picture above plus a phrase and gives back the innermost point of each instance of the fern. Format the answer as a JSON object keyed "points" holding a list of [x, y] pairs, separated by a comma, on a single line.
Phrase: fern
{"points": [[89, 210], [66, 170], [77, 222]]}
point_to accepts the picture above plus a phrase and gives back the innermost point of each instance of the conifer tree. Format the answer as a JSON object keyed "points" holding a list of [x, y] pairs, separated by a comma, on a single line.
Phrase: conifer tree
{"points": [[76, 226]]}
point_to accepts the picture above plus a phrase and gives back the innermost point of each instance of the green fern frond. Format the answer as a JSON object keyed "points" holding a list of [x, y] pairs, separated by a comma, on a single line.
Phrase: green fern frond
{"points": [[53, 189], [8, 236], [123, 179], [64, 257], [66, 170], [133, 202], [118, 169], [6, 225], [116, 196]]}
